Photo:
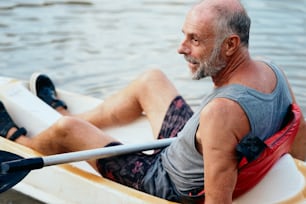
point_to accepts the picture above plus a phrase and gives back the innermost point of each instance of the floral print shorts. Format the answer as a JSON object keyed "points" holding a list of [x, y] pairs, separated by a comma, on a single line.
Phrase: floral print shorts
{"points": [[130, 169]]}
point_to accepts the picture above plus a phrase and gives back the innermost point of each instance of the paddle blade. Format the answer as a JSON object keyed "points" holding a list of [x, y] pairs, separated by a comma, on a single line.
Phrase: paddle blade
{"points": [[9, 179]]}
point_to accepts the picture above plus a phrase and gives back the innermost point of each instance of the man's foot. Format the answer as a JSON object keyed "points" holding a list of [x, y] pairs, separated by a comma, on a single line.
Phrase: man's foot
{"points": [[42, 86], [6, 124]]}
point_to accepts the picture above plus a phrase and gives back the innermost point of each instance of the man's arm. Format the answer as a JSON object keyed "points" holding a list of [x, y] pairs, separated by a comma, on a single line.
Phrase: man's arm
{"points": [[298, 149], [222, 124]]}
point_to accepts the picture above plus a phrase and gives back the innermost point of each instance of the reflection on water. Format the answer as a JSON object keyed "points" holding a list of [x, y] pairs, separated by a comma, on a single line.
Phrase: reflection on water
{"points": [[96, 47]]}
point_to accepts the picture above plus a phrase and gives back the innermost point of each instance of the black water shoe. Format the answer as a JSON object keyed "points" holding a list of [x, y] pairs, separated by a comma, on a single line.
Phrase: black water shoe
{"points": [[42, 86]]}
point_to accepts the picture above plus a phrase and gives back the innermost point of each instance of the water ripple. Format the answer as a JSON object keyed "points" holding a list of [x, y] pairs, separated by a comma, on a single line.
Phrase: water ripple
{"points": [[22, 4], [107, 43]]}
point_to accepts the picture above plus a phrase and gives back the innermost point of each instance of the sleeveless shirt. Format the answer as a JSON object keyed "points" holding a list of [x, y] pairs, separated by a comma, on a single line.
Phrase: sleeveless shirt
{"points": [[266, 112]]}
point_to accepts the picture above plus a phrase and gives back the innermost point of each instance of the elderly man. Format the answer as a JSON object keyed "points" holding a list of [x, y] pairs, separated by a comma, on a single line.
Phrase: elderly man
{"points": [[249, 98]]}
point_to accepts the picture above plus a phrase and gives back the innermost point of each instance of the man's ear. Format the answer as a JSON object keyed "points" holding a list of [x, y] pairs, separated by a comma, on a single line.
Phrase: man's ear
{"points": [[232, 43]]}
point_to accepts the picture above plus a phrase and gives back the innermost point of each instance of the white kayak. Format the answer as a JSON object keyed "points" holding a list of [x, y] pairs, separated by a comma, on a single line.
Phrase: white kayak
{"points": [[79, 183]]}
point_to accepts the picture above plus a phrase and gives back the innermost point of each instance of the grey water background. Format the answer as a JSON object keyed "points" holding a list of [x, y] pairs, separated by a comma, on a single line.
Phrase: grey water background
{"points": [[96, 47]]}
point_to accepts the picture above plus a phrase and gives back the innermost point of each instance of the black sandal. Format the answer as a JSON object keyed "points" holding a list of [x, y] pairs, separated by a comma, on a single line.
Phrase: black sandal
{"points": [[42, 86], [6, 123]]}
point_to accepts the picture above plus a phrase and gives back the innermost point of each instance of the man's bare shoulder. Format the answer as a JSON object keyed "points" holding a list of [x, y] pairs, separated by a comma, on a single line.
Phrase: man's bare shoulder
{"points": [[222, 107], [226, 116]]}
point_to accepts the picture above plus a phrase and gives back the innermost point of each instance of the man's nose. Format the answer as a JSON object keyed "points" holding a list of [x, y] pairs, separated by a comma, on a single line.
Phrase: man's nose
{"points": [[183, 48]]}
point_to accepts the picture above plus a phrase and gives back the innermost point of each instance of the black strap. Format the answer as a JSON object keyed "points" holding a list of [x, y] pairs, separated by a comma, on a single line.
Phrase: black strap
{"points": [[58, 103], [250, 147], [18, 133]]}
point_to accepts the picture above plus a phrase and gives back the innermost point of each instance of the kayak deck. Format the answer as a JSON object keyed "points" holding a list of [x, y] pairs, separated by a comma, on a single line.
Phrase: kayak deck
{"points": [[69, 184]]}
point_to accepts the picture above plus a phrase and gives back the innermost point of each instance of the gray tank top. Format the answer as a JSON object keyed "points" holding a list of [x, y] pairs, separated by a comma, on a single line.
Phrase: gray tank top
{"points": [[182, 161]]}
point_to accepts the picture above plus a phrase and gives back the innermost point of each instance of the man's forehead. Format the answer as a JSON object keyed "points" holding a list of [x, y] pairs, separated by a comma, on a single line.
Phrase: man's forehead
{"points": [[198, 23]]}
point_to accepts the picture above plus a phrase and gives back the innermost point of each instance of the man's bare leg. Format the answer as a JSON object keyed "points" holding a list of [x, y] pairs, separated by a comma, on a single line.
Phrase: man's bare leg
{"points": [[151, 93], [68, 134]]}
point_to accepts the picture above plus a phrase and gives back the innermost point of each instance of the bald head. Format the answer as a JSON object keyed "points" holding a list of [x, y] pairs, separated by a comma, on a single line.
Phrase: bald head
{"points": [[227, 16], [230, 5]]}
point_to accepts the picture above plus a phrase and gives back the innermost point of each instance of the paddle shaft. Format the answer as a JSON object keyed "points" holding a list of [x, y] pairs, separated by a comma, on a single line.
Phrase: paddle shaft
{"points": [[39, 162]]}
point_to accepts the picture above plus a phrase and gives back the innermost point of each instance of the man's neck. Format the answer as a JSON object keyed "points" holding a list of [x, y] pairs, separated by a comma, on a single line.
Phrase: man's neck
{"points": [[237, 62]]}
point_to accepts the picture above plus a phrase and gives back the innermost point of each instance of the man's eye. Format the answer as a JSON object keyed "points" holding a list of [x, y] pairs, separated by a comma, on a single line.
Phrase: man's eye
{"points": [[195, 41]]}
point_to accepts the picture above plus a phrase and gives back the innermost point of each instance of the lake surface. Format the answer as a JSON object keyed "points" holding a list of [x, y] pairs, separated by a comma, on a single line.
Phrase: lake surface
{"points": [[96, 47]]}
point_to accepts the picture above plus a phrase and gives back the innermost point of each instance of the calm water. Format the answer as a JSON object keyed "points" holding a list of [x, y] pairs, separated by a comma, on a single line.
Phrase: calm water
{"points": [[96, 47]]}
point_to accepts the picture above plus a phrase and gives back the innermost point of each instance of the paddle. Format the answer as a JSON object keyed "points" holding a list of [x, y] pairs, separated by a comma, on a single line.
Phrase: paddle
{"points": [[14, 167]]}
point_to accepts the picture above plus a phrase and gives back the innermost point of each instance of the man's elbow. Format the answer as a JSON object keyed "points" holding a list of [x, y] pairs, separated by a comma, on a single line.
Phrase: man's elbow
{"points": [[298, 149]]}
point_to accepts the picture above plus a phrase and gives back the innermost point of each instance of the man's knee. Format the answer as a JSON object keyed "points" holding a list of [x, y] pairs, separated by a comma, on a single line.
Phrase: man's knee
{"points": [[153, 75], [68, 124], [153, 81]]}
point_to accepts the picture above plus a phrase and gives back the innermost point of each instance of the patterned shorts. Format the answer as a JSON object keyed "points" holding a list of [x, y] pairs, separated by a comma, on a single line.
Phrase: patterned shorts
{"points": [[130, 169]]}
